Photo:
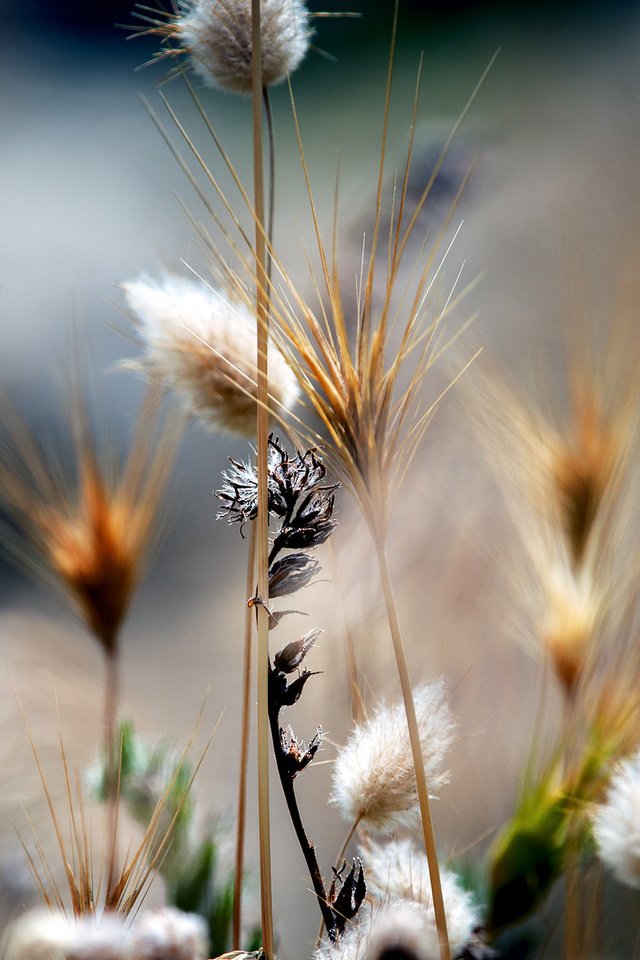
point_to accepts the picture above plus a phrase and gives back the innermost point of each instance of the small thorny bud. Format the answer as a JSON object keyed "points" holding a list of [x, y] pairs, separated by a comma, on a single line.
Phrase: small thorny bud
{"points": [[290, 657], [295, 756], [346, 902]]}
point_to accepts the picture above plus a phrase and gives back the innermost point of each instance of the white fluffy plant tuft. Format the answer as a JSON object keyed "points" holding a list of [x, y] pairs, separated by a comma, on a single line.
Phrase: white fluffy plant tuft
{"points": [[616, 823], [161, 934], [374, 780], [201, 344], [397, 872], [217, 34]]}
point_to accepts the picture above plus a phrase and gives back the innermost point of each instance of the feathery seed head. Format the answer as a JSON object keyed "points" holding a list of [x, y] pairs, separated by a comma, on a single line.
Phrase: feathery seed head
{"points": [[203, 346], [398, 871], [45, 935], [399, 928], [169, 934], [90, 531], [616, 823], [218, 36], [162, 934], [374, 778]]}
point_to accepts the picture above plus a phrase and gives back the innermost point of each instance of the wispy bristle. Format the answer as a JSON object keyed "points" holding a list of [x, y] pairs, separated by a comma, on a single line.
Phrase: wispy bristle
{"points": [[89, 525]]}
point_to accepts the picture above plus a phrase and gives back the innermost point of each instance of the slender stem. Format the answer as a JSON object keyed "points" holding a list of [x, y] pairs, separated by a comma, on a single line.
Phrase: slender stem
{"points": [[262, 521], [416, 749], [308, 850], [244, 747], [271, 141], [250, 589], [111, 753]]}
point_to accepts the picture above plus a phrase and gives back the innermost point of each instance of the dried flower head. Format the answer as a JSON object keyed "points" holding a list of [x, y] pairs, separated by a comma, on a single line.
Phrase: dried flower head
{"points": [[218, 36], [203, 346], [616, 823], [374, 778], [89, 525], [398, 871]]}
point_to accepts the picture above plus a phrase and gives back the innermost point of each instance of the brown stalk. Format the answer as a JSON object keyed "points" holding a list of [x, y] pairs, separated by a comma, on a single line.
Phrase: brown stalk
{"points": [[244, 747], [262, 521], [416, 749]]}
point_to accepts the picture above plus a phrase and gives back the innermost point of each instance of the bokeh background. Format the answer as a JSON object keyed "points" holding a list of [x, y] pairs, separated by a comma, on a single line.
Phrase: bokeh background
{"points": [[88, 200]]}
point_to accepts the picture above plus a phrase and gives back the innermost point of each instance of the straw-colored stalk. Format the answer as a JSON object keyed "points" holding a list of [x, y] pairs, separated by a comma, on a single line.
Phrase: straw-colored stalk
{"points": [[262, 521]]}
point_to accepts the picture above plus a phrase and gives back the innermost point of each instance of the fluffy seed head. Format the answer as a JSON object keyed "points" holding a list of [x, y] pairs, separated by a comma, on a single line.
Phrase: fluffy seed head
{"points": [[400, 928], [374, 778], [398, 872], [204, 347], [163, 934], [44, 935], [169, 934], [616, 823], [217, 34]]}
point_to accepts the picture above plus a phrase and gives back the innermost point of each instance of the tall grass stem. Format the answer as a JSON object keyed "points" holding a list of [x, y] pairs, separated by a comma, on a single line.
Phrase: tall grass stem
{"points": [[112, 753], [416, 749], [262, 522], [244, 746]]}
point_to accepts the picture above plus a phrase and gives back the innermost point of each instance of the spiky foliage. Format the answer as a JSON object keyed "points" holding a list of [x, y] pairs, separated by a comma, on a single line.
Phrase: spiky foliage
{"points": [[88, 525], [568, 478], [569, 486]]}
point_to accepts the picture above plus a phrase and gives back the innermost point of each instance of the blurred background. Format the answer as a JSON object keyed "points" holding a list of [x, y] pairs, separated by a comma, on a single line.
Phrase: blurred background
{"points": [[88, 199]]}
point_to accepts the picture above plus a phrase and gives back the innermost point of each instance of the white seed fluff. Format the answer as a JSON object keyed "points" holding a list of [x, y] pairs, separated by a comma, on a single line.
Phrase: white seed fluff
{"points": [[398, 871], [616, 823], [217, 34], [45, 935], [169, 934], [402, 927], [374, 778], [203, 346]]}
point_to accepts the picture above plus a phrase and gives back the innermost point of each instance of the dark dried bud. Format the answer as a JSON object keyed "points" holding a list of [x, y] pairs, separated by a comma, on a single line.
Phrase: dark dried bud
{"points": [[349, 899], [290, 657], [295, 756], [310, 526], [291, 574]]}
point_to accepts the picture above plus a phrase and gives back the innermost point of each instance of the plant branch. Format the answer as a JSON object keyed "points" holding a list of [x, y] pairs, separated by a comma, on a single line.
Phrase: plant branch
{"points": [[308, 850]]}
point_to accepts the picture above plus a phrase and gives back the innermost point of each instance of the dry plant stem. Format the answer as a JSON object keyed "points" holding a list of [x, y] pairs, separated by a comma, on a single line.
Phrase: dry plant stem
{"points": [[416, 749], [572, 871], [244, 746], [308, 850], [111, 697], [248, 625], [262, 521]]}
